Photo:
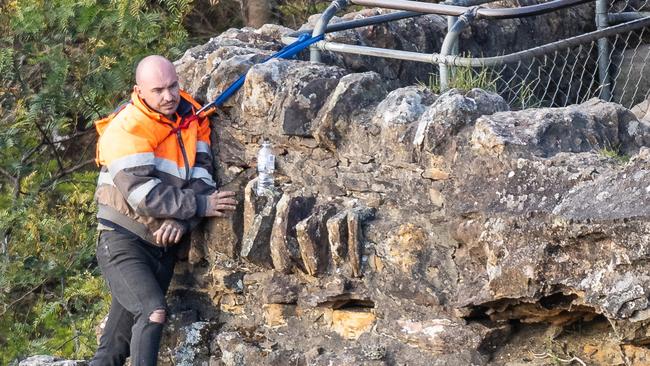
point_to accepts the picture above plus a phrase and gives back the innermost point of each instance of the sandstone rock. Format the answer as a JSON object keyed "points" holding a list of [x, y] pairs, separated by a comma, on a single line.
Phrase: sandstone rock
{"points": [[276, 314], [439, 335], [313, 240], [355, 237], [336, 292], [285, 251], [351, 324], [259, 214], [223, 236], [403, 106], [337, 231], [280, 289]]}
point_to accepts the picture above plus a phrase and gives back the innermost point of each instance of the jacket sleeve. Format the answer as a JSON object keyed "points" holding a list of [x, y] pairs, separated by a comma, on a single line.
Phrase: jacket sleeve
{"points": [[202, 181], [128, 153]]}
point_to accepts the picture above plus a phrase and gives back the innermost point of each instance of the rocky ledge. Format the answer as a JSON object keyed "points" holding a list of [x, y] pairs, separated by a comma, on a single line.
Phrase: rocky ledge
{"points": [[409, 228]]}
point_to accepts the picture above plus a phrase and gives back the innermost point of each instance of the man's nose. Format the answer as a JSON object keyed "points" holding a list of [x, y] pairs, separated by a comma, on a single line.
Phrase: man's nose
{"points": [[168, 96]]}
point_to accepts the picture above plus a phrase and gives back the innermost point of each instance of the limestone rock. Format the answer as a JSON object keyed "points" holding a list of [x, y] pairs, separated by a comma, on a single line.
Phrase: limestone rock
{"points": [[304, 91], [482, 216], [345, 112], [544, 132], [452, 111], [194, 347], [43, 360], [236, 351]]}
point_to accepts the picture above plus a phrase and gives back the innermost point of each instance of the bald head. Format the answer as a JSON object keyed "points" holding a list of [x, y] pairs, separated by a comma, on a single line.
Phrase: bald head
{"points": [[157, 84]]}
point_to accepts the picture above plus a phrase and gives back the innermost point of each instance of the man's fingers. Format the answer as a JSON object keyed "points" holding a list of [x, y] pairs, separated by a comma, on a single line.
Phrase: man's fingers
{"points": [[179, 234], [225, 207], [226, 201], [166, 235], [225, 194], [158, 235]]}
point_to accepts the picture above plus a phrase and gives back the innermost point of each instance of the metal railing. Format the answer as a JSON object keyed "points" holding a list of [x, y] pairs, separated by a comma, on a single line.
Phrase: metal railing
{"points": [[609, 63]]}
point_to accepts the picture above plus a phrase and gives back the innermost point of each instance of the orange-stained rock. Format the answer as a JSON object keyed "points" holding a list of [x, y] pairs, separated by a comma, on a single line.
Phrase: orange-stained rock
{"points": [[351, 324]]}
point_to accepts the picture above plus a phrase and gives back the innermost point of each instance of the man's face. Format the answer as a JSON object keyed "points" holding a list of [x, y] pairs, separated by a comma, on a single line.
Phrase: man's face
{"points": [[158, 87]]}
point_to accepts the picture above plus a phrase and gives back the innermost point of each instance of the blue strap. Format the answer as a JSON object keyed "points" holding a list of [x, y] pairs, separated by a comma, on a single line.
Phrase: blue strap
{"points": [[304, 41]]}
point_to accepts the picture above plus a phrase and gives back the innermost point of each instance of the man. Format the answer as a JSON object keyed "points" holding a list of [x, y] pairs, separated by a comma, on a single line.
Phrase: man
{"points": [[155, 185]]}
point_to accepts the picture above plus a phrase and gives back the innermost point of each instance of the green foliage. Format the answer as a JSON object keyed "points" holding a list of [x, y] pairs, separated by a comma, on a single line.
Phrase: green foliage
{"points": [[63, 64], [295, 13], [614, 152], [466, 78], [51, 295]]}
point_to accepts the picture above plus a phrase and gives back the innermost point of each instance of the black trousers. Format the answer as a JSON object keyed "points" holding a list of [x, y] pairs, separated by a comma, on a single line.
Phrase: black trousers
{"points": [[138, 275]]}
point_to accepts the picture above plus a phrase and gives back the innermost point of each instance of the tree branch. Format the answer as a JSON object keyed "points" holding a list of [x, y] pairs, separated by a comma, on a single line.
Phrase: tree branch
{"points": [[65, 172], [49, 142], [73, 136]]}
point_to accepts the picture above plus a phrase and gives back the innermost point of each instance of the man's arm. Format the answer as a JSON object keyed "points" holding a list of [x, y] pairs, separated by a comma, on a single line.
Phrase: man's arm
{"points": [[129, 157]]}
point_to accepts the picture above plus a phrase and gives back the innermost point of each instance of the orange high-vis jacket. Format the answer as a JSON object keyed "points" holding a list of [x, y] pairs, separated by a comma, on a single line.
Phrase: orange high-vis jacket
{"points": [[150, 171]]}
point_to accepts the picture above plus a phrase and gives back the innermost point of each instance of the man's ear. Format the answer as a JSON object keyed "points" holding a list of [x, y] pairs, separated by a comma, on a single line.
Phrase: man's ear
{"points": [[137, 89]]}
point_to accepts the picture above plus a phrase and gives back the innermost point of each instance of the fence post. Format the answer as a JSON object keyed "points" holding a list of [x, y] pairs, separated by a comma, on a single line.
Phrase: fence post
{"points": [[603, 51], [321, 26], [451, 43]]}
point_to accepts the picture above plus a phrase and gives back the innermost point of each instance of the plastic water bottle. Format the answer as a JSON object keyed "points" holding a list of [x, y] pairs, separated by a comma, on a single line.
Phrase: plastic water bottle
{"points": [[265, 168]]}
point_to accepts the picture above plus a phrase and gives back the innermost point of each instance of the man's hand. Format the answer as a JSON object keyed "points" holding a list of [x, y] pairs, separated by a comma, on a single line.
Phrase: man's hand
{"points": [[220, 204], [170, 232]]}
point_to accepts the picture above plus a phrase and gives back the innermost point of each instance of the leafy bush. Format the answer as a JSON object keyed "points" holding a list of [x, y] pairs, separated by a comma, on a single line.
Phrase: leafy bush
{"points": [[51, 294], [63, 64]]}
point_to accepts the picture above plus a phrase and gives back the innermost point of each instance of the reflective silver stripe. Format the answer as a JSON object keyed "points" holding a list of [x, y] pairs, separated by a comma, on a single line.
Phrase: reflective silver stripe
{"points": [[204, 175], [169, 167], [209, 182], [202, 147], [198, 172], [141, 192], [131, 161], [105, 178]]}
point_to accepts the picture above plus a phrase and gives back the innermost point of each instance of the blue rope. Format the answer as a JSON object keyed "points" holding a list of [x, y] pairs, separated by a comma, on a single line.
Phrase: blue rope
{"points": [[304, 41]]}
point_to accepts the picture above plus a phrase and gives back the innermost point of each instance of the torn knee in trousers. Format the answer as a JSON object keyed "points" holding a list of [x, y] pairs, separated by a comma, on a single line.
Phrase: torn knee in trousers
{"points": [[158, 316]]}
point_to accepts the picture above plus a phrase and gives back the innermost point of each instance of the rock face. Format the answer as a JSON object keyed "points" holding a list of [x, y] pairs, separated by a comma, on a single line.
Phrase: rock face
{"points": [[409, 228], [50, 361]]}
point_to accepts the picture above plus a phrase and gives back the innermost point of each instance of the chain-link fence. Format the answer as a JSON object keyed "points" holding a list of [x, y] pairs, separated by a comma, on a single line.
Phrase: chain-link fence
{"points": [[622, 6], [609, 63], [566, 73]]}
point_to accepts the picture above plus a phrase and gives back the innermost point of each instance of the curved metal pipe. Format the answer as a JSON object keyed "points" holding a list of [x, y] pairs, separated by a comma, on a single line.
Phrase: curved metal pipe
{"points": [[615, 18], [502, 13], [357, 23], [321, 25], [451, 42], [483, 61]]}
